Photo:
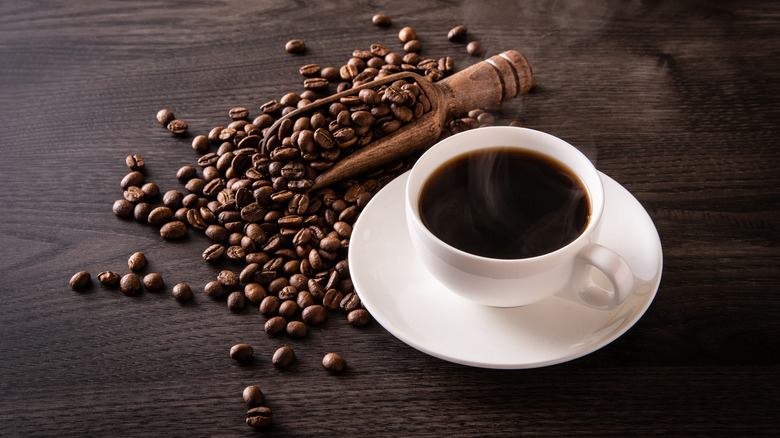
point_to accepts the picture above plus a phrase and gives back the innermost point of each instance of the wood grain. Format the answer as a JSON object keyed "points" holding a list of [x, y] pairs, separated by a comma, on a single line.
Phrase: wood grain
{"points": [[677, 101]]}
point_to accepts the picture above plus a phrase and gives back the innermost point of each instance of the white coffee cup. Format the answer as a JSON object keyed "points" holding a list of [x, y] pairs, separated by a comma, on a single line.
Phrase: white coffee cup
{"points": [[566, 272]]}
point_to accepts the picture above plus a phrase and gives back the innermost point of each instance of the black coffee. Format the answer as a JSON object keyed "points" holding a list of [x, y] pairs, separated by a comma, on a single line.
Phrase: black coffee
{"points": [[504, 203]]}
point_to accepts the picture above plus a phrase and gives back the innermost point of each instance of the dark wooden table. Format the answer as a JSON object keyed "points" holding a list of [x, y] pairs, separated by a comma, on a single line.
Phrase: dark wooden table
{"points": [[677, 101]]}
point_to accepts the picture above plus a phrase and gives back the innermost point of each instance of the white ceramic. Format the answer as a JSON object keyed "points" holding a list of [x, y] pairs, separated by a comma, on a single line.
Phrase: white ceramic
{"points": [[518, 282], [412, 305]]}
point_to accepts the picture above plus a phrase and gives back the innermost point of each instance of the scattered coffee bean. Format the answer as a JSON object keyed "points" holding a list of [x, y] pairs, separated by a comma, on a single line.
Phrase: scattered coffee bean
{"points": [[164, 116], [297, 329], [108, 278], [381, 20], [283, 357], [178, 127], [358, 317], [186, 172], [173, 199], [153, 282], [259, 417], [141, 211], [241, 352], [182, 292], [160, 215], [457, 33], [275, 325], [411, 46], [79, 280], [130, 284], [214, 289], [134, 178], [314, 314], [407, 34], [135, 162], [474, 48], [123, 208], [199, 144], [253, 396], [137, 261], [236, 301], [295, 46], [334, 362], [309, 70], [173, 230], [238, 113]]}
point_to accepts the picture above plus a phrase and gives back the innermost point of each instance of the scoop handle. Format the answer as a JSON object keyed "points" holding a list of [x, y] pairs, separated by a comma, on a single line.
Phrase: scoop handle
{"points": [[487, 83]]}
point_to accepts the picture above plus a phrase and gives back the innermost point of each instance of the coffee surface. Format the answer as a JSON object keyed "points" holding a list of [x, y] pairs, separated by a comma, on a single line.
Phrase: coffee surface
{"points": [[504, 203]]}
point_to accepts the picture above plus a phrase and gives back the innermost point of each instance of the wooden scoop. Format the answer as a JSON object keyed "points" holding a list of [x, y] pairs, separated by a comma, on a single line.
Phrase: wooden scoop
{"points": [[483, 85]]}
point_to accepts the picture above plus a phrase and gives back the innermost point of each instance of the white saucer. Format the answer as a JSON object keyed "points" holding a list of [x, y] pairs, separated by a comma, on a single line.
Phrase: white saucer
{"points": [[407, 301]]}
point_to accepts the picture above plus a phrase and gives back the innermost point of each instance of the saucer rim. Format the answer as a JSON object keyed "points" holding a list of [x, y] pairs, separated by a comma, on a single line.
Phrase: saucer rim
{"points": [[644, 305]]}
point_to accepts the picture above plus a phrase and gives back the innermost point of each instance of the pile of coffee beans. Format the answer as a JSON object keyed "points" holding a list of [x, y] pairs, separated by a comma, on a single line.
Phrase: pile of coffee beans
{"points": [[250, 193]]}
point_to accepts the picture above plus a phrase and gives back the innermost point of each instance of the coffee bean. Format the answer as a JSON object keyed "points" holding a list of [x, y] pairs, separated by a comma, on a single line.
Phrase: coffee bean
{"points": [[297, 329], [358, 317], [178, 127], [160, 215], [283, 357], [153, 282], [173, 230], [135, 162], [315, 84], [259, 417], [134, 178], [164, 116], [295, 46], [214, 289], [253, 396], [137, 261], [236, 301], [133, 194], [130, 284], [238, 113], [200, 144], [457, 33], [288, 308], [123, 208], [228, 278], [108, 278], [407, 34], [474, 48], [79, 280], [309, 70], [332, 299], [275, 325], [381, 20], [314, 314], [173, 199], [241, 352], [334, 362], [182, 292], [269, 306]]}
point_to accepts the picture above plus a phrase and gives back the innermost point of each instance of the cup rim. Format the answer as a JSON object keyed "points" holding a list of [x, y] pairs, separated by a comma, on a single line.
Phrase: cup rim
{"points": [[593, 219]]}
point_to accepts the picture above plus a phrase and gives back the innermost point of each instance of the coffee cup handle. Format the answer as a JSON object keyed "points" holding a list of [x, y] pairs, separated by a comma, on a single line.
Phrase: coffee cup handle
{"points": [[614, 268]]}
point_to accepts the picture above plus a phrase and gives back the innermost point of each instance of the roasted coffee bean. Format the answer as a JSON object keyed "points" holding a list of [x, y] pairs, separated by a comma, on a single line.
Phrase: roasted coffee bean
{"points": [[214, 289], [334, 362], [185, 173], [314, 314], [137, 261], [177, 127], [195, 219], [182, 292], [287, 308], [350, 302], [457, 33], [228, 278], [236, 301], [295, 46], [79, 280], [259, 417], [130, 284], [407, 34], [255, 292], [283, 356], [153, 282], [133, 194], [297, 329], [332, 299], [474, 48], [123, 208], [315, 84], [241, 352], [269, 306], [160, 215], [252, 396], [381, 20], [108, 278], [134, 178], [238, 113], [173, 199], [150, 190], [135, 162], [412, 46], [358, 317], [164, 117], [275, 325], [173, 230], [309, 70]]}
